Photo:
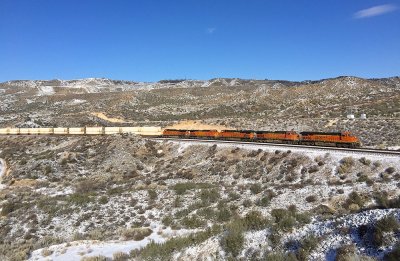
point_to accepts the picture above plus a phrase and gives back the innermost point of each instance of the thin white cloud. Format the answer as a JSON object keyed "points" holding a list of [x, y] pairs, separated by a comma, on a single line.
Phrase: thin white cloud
{"points": [[374, 11], [211, 30]]}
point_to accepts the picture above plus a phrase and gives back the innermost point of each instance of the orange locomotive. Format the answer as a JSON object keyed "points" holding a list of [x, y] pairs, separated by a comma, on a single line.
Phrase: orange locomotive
{"points": [[338, 139]]}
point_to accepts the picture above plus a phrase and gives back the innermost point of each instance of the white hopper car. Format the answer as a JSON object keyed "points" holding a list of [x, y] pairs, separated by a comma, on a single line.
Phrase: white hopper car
{"points": [[145, 131]]}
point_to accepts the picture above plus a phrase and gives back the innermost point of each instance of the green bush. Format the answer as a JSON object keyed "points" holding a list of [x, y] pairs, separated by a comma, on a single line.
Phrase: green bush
{"points": [[103, 200], [209, 196], [345, 165], [120, 256], [311, 198], [136, 234], [7, 208], [192, 222], [167, 220], [181, 188], [152, 194], [390, 170], [263, 202], [387, 224], [164, 251], [354, 198], [365, 161], [79, 199], [393, 255], [94, 258], [254, 220], [233, 239], [223, 214], [255, 188]]}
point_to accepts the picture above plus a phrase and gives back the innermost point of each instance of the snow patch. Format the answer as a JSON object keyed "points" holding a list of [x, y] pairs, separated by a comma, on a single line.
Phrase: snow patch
{"points": [[45, 90]]}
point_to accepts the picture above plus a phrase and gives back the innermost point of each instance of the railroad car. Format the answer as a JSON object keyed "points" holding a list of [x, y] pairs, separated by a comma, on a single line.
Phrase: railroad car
{"points": [[60, 131], [24, 131], [338, 139], [13, 131], [94, 130], [236, 135], [202, 134], [173, 133], [112, 130], [76, 131], [46, 131], [290, 137]]}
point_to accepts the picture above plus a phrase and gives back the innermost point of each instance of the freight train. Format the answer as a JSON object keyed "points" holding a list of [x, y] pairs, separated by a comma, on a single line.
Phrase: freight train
{"points": [[337, 139]]}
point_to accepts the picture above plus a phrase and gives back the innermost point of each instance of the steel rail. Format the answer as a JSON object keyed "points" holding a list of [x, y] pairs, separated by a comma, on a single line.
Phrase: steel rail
{"points": [[353, 150]]}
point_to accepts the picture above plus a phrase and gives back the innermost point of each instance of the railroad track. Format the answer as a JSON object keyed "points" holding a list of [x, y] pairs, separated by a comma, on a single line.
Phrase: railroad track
{"points": [[389, 153]]}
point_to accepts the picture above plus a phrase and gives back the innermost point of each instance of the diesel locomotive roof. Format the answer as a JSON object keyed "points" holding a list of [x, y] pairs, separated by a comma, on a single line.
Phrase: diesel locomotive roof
{"points": [[320, 133]]}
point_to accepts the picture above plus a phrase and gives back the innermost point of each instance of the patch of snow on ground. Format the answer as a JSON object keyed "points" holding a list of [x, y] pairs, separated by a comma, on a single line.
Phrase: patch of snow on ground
{"points": [[85, 248], [76, 102], [45, 90], [332, 238]]}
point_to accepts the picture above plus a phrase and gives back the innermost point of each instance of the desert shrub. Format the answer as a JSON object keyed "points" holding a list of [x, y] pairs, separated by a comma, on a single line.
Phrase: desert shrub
{"points": [[120, 256], [283, 219], [247, 203], [344, 252], [181, 188], [164, 251], [79, 199], [7, 208], [223, 214], [152, 194], [167, 220], [103, 200], [313, 169], [263, 202], [303, 218], [390, 170], [46, 252], [47, 169], [365, 161], [234, 196], [393, 255], [354, 198], [88, 185], [255, 188], [207, 213], [311, 198], [377, 164], [275, 256], [387, 224], [136, 234], [209, 196], [233, 239], [254, 220], [192, 222], [345, 165], [95, 258]]}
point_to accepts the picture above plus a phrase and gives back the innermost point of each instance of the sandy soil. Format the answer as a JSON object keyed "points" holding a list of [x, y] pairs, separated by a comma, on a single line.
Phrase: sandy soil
{"points": [[102, 116]]}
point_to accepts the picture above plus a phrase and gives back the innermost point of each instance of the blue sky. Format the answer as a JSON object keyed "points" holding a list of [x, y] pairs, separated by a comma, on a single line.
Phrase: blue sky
{"points": [[149, 40]]}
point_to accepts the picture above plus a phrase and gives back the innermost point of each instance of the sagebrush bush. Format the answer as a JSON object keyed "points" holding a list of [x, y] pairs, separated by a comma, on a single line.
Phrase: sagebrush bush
{"points": [[192, 222], [233, 239], [311, 198], [255, 188], [365, 161], [120, 256], [136, 234]]}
